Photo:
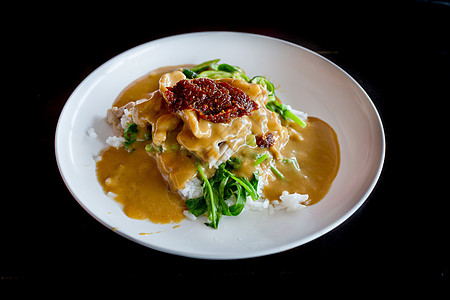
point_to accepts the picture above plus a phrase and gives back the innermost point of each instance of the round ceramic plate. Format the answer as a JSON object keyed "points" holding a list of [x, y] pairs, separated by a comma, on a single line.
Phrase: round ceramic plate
{"points": [[305, 80]]}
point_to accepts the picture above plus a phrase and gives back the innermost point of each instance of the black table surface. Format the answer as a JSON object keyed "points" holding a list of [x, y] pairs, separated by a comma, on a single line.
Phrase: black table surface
{"points": [[398, 53]]}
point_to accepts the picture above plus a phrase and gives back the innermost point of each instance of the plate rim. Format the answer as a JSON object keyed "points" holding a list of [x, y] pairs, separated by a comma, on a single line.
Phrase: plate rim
{"points": [[257, 252]]}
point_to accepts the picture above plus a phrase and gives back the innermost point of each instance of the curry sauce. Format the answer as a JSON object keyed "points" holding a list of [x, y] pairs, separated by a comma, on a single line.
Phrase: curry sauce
{"points": [[135, 182]]}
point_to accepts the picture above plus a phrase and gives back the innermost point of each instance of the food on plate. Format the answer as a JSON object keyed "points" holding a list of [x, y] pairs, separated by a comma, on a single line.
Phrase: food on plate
{"points": [[208, 140]]}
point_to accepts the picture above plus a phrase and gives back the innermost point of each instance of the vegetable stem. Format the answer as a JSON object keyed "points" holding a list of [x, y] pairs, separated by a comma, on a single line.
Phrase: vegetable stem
{"points": [[294, 118], [261, 159], [248, 187], [213, 214], [204, 65], [283, 110], [213, 74], [189, 73], [276, 172]]}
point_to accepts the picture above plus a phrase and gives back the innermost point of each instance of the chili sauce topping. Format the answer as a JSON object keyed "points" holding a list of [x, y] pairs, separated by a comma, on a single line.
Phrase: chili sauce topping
{"points": [[214, 101], [265, 141]]}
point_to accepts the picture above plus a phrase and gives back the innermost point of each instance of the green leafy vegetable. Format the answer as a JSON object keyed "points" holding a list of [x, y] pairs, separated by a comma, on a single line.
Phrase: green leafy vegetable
{"points": [[130, 135], [211, 200], [240, 196], [220, 188], [197, 206], [233, 163], [245, 184]]}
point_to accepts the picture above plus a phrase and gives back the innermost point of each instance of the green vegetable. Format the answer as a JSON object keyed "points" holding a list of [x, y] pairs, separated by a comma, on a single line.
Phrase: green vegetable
{"points": [[130, 135], [214, 66], [197, 206], [241, 75], [221, 187], [189, 73], [152, 148], [276, 172], [236, 72], [245, 184], [273, 104], [193, 72], [292, 161], [215, 74], [282, 110], [233, 163], [260, 159], [265, 83], [210, 69], [204, 65], [211, 200], [175, 147], [227, 68], [250, 140]]}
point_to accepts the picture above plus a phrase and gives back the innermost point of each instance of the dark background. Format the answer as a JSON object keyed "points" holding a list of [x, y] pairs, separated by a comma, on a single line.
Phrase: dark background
{"points": [[398, 51]]}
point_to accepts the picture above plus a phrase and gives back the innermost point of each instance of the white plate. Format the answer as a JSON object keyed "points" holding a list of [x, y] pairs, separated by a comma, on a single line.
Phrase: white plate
{"points": [[304, 79]]}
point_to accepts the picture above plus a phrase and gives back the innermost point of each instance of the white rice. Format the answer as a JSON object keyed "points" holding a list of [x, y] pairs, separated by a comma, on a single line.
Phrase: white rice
{"points": [[115, 141], [293, 201], [302, 115], [91, 133], [126, 118], [190, 216], [193, 189]]}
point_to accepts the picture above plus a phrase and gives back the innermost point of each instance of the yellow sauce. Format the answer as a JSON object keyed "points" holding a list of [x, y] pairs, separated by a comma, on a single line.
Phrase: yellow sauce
{"points": [[139, 186], [144, 86], [318, 159]]}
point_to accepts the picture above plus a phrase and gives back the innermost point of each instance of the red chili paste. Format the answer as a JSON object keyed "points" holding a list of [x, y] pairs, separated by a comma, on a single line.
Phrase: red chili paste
{"points": [[266, 140], [215, 101]]}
